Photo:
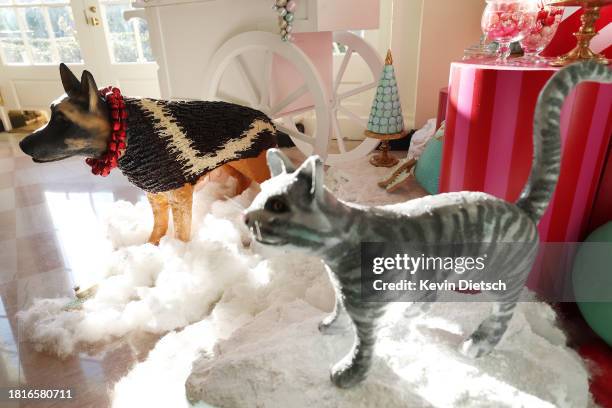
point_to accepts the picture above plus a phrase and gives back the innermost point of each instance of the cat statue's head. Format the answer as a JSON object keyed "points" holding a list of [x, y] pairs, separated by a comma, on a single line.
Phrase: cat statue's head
{"points": [[293, 208]]}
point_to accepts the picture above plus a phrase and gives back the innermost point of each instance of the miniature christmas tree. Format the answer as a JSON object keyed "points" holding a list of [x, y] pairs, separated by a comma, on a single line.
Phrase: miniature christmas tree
{"points": [[386, 114], [386, 121]]}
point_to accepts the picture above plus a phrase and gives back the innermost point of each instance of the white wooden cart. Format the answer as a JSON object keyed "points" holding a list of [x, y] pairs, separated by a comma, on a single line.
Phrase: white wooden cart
{"points": [[230, 50]]}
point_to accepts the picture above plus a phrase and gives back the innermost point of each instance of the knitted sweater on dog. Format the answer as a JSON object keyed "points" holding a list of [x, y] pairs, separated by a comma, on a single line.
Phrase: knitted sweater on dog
{"points": [[170, 144]]}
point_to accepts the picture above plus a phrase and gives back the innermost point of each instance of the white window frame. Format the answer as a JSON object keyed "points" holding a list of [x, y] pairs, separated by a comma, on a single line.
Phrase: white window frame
{"points": [[23, 28]]}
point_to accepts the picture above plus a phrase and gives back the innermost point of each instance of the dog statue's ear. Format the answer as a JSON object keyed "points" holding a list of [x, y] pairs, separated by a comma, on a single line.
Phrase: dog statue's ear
{"points": [[278, 162], [90, 90], [70, 83]]}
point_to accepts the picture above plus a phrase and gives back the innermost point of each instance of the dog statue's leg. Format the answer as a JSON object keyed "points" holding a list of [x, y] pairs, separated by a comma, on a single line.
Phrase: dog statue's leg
{"points": [[180, 201], [255, 169], [242, 181], [159, 204]]}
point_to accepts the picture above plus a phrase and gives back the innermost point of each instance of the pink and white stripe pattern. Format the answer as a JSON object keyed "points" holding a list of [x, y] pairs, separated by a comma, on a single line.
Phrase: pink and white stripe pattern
{"points": [[488, 142]]}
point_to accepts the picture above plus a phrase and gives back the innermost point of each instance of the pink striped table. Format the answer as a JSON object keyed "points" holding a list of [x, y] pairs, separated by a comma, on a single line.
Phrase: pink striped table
{"points": [[488, 142]]}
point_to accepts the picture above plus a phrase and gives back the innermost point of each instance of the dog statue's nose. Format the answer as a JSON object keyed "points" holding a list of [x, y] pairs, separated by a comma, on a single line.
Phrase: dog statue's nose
{"points": [[25, 145]]}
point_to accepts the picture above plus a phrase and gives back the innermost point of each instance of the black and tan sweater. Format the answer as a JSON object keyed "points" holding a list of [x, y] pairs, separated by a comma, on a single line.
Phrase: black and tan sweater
{"points": [[170, 144]]}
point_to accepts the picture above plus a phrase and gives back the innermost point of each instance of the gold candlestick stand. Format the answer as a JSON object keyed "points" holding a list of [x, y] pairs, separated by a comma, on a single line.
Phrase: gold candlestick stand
{"points": [[587, 31], [384, 159]]}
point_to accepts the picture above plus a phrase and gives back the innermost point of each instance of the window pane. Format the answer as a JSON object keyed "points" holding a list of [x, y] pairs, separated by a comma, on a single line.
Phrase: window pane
{"points": [[120, 34], [49, 32], [41, 51], [36, 23], [13, 49], [128, 40], [114, 18], [143, 29], [39, 36], [65, 34], [69, 50], [124, 47], [61, 21], [8, 23]]}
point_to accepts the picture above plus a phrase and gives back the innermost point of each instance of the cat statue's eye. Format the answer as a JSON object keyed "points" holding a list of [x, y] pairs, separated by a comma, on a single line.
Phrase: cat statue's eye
{"points": [[276, 205]]}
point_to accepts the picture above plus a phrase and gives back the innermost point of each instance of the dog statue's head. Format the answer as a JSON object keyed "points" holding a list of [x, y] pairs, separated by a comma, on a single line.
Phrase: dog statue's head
{"points": [[79, 126]]}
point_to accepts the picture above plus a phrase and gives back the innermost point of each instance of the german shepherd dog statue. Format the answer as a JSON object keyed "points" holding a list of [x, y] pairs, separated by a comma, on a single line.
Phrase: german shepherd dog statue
{"points": [[167, 146]]}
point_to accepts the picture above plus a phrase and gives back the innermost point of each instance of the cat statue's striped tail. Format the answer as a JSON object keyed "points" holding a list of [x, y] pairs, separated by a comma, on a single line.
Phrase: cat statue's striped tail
{"points": [[546, 166]]}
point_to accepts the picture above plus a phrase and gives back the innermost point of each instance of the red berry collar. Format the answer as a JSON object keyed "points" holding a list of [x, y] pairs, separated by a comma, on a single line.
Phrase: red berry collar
{"points": [[116, 143]]}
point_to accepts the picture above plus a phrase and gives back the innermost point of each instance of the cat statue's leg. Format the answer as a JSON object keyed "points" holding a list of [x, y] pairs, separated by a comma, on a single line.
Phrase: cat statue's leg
{"points": [[354, 367], [490, 331], [336, 322], [422, 306]]}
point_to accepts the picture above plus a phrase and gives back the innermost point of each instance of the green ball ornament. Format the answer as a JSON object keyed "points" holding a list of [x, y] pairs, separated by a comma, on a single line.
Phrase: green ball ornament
{"points": [[592, 281]]}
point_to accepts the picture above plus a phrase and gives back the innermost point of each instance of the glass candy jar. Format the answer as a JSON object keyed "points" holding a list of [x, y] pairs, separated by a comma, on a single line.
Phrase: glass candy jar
{"points": [[507, 21], [541, 33]]}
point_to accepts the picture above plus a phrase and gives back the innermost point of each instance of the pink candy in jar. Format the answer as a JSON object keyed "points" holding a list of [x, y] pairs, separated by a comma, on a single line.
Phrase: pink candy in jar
{"points": [[542, 32], [506, 21]]}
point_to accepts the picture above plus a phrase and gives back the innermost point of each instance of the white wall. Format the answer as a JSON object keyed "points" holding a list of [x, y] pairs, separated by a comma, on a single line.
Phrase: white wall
{"points": [[406, 38], [427, 36]]}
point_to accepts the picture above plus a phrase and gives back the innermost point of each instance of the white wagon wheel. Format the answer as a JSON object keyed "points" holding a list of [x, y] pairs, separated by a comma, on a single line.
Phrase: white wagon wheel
{"points": [[250, 56], [354, 45]]}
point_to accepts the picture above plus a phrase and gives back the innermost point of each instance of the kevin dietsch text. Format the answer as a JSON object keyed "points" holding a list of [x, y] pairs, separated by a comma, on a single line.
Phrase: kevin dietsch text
{"points": [[425, 285], [412, 265]]}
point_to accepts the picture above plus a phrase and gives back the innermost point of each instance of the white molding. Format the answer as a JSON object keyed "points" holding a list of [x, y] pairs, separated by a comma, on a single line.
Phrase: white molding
{"points": [[161, 3]]}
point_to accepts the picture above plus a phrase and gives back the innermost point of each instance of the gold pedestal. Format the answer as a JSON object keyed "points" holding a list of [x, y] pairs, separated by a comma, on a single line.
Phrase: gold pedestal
{"points": [[583, 51], [384, 159]]}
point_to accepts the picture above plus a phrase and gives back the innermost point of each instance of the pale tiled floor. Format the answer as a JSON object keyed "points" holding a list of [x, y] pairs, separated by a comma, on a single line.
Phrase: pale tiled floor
{"points": [[49, 229], [46, 212]]}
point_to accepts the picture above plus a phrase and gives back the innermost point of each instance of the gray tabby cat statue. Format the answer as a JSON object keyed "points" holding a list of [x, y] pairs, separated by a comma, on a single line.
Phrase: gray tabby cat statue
{"points": [[294, 210]]}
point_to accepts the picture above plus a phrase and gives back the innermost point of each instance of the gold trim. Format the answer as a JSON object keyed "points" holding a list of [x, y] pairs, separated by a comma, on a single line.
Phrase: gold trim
{"points": [[582, 51], [389, 59], [384, 136]]}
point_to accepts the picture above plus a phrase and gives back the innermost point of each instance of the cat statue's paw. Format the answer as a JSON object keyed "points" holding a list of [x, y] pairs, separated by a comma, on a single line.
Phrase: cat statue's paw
{"points": [[475, 348], [416, 310], [332, 328], [347, 374]]}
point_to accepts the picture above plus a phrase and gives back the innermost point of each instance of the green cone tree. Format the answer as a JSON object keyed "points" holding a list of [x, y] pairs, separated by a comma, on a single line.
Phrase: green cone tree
{"points": [[386, 113]]}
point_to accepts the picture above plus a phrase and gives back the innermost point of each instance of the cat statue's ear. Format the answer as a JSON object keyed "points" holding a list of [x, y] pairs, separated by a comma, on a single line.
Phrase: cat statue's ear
{"points": [[279, 163], [312, 170]]}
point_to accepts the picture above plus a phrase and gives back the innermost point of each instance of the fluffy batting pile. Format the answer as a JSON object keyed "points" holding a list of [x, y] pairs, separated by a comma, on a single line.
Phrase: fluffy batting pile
{"points": [[280, 357], [159, 289], [242, 329]]}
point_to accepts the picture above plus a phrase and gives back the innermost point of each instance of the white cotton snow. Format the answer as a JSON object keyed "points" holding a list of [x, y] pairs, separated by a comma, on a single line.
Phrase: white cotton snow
{"points": [[243, 328], [280, 359], [420, 138], [158, 289]]}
